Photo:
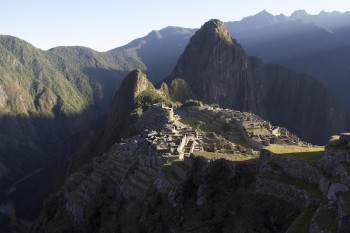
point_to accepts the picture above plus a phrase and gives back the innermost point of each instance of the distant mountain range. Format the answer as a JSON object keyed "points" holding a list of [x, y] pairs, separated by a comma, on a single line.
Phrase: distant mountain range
{"points": [[314, 44], [159, 50], [52, 102]]}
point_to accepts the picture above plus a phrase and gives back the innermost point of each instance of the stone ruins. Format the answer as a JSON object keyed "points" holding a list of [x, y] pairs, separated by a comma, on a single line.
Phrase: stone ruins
{"points": [[256, 131]]}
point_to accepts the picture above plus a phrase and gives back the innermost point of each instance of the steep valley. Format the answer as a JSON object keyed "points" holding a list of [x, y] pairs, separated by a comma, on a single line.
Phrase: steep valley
{"points": [[46, 98], [222, 143]]}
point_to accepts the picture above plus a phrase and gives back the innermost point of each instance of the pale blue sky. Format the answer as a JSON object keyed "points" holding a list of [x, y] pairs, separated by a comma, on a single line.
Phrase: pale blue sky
{"points": [[106, 24]]}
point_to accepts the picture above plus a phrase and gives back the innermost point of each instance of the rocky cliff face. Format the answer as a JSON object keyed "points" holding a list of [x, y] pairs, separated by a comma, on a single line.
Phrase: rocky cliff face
{"points": [[124, 106], [218, 71]]}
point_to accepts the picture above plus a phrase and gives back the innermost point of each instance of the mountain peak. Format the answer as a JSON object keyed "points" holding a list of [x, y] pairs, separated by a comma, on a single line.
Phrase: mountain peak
{"points": [[298, 14], [124, 101], [155, 35], [135, 82], [264, 13], [217, 28], [213, 24]]}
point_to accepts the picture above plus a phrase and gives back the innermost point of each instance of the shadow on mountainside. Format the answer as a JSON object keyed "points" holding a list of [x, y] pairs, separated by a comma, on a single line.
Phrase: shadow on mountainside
{"points": [[34, 154]]}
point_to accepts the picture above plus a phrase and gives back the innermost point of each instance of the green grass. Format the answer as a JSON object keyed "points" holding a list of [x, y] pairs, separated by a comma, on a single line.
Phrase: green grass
{"points": [[303, 153], [334, 138], [256, 130], [207, 127], [312, 189], [230, 157], [215, 125], [327, 219], [235, 136]]}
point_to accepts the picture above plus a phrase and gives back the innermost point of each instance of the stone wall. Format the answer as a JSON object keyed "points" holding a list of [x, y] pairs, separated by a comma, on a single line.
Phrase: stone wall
{"points": [[285, 192], [284, 165], [334, 166], [331, 164]]}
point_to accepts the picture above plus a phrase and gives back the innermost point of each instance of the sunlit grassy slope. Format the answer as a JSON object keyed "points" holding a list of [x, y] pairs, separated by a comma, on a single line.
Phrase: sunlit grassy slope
{"points": [[215, 156], [64, 80], [310, 154]]}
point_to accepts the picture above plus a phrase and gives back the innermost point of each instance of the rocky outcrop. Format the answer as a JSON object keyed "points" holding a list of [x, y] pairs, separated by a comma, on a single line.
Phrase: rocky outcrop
{"points": [[218, 71], [125, 99], [127, 106]]}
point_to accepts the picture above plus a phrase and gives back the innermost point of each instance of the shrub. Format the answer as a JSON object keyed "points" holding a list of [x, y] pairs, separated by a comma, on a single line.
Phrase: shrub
{"points": [[192, 102]]}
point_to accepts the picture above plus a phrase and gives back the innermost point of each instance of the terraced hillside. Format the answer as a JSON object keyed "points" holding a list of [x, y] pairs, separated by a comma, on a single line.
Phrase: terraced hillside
{"points": [[292, 189]]}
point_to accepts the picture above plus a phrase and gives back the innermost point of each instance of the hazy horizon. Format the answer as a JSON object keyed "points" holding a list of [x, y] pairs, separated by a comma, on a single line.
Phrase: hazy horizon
{"points": [[105, 24]]}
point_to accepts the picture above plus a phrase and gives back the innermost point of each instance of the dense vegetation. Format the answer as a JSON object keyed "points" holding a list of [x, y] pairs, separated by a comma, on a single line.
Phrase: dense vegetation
{"points": [[45, 98]]}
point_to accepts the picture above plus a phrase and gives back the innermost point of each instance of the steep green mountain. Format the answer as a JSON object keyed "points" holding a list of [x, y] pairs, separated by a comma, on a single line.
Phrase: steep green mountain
{"points": [[45, 98], [135, 94], [217, 70]]}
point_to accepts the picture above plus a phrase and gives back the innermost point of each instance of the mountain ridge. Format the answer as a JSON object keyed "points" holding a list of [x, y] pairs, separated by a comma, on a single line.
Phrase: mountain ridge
{"points": [[46, 97], [70, 86], [218, 71], [288, 41]]}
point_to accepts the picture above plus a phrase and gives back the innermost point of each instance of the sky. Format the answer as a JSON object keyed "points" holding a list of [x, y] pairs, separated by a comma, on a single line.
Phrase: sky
{"points": [[106, 24]]}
